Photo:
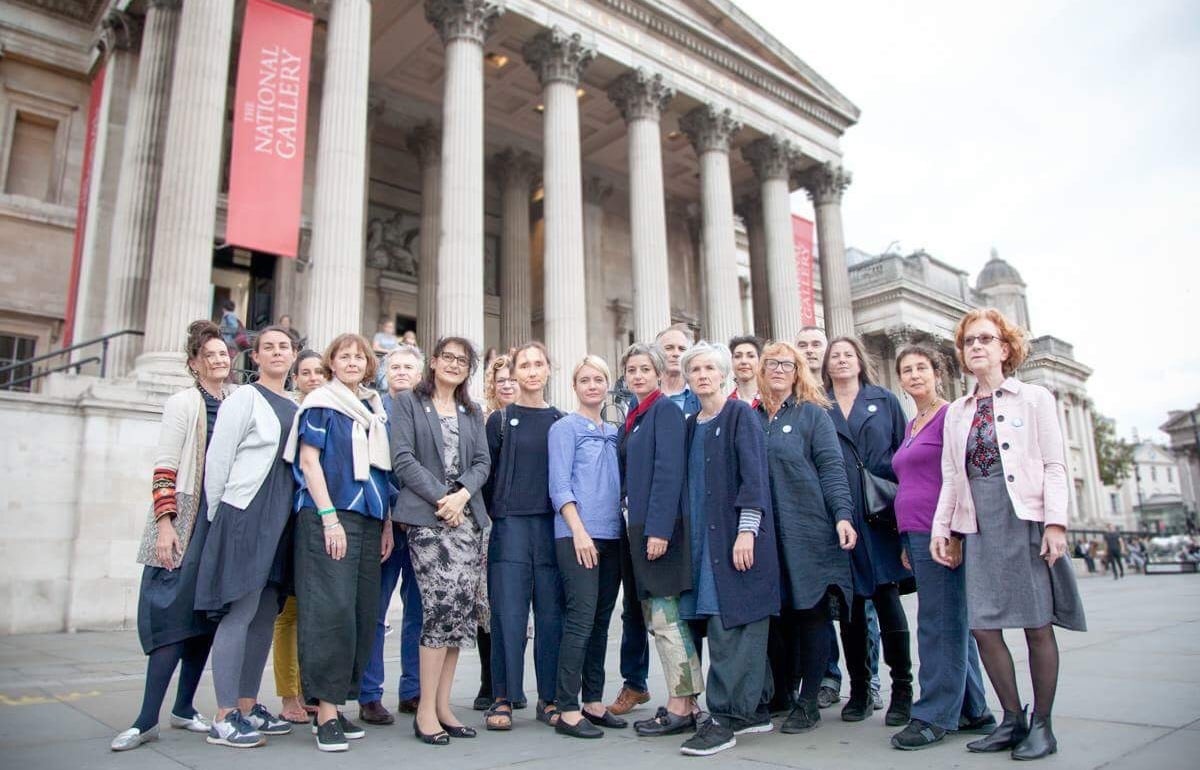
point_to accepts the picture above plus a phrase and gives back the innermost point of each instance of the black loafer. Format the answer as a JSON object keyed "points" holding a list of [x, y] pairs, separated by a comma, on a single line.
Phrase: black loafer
{"points": [[608, 719], [665, 723], [581, 729], [458, 731], [433, 739]]}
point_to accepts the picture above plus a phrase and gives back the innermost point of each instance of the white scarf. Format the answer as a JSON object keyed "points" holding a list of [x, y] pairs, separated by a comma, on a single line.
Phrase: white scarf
{"points": [[369, 439]]}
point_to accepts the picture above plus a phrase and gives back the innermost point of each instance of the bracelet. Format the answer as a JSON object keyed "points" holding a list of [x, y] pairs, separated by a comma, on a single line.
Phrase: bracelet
{"points": [[326, 511], [334, 525]]}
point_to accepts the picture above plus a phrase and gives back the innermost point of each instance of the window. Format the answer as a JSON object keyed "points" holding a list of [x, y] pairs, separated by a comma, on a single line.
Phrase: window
{"points": [[1115, 500], [31, 156], [14, 348], [1154, 473], [1170, 475]]}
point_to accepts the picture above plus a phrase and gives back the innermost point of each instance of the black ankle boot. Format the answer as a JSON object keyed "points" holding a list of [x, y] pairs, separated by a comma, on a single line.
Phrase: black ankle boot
{"points": [[1039, 742], [1011, 731], [858, 707], [804, 717], [898, 657]]}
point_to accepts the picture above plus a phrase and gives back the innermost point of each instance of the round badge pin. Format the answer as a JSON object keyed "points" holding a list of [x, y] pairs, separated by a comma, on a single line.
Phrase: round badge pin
{"points": [[1018, 422], [514, 422], [872, 409], [717, 432], [787, 428], [591, 426]]}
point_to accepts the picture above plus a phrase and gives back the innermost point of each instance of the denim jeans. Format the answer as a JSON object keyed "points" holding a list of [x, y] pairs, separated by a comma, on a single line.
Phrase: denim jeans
{"points": [[397, 569], [951, 683]]}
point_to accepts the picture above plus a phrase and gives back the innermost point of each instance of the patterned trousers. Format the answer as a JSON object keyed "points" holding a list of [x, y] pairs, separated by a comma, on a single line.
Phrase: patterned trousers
{"points": [[676, 648]]}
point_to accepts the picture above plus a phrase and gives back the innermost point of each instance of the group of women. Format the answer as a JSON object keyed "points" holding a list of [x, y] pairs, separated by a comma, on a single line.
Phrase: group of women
{"points": [[768, 511]]}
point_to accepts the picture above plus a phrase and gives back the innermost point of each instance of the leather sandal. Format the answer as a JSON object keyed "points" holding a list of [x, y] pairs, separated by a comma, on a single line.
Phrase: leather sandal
{"points": [[498, 717]]}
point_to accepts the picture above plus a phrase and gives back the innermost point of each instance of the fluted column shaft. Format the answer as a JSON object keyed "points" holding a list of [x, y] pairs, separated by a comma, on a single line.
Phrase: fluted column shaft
{"points": [[464, 26], [515, 172], [137, 189], [595, 192], [335, 300], [752, 215], [641, 99], [825, 185], [181, 269], [710, 131], [559, 60], [426, 143], [772, 159]]}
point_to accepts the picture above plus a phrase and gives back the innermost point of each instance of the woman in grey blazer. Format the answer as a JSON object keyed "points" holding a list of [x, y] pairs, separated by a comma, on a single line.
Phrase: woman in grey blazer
{"points": [[440, 454]]}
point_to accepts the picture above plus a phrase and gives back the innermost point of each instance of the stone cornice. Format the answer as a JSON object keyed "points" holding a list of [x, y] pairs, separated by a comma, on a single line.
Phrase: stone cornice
{"points": [[710, 128], [771, 157], [462, 19], [640, 95], [558, 57], [825, 183]]}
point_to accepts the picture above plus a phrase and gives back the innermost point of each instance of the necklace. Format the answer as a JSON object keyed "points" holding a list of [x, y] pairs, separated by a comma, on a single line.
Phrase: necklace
{"points": [[917, 424]]}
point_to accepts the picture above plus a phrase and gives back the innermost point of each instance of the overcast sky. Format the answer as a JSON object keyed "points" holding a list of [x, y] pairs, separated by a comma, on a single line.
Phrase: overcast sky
{"points": [[1065, 133]]}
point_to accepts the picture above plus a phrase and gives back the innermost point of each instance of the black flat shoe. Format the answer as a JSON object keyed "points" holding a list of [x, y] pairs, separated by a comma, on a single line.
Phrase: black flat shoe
{"points": [[1007, 734], [665, 723], [581, 729], [858, 707], [1039, 742], [458, 731], [433, 739], [608, 719]]}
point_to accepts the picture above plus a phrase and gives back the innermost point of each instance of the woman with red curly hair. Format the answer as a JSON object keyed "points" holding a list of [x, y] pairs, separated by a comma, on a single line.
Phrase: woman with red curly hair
{"points": [[1002, 512]]}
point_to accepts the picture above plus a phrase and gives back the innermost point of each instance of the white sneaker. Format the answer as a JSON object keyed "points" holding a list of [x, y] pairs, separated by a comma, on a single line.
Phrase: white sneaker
{"points": [[132, 738], [235, 732], [196, 723]]}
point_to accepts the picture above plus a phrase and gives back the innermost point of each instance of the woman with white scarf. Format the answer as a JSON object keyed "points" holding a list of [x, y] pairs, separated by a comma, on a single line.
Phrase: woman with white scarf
{"points": [[339, 447]]}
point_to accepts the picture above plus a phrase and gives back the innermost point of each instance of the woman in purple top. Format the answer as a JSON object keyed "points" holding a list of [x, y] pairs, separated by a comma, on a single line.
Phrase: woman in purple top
{"points": [[585, 489], [952, 696]]}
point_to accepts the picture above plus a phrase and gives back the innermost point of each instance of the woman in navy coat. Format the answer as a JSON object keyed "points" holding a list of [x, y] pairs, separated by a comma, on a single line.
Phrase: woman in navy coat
{"points": [[653, 470], [870, 425], [813, 520], [735, 577]]}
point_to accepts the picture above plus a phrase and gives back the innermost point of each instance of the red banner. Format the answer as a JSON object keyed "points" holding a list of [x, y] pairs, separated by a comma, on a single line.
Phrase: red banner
{"points": [[802, 240], [81, 208], [266, 174]]}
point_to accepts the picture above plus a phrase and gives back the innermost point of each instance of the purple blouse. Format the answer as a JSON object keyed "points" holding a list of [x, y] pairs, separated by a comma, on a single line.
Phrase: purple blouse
{"points": [[918, 467]]}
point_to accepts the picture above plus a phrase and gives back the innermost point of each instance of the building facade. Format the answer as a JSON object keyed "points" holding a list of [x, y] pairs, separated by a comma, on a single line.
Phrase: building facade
{"points": [[1151, 496], [1183, 432]]}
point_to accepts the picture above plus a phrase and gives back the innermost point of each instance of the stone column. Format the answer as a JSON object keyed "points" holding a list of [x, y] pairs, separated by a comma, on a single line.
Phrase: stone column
{"points": [[825, 184], [137, 191], [773, 159], [559, 60], [750, 208], [641, 99], [181, 269], [336, 297], [425, 142], [710, 130], [515, 172], [463, 26], [595, 192]]}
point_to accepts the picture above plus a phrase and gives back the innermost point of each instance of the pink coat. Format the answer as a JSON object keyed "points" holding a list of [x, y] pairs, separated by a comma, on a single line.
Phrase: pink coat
{"points": [[1031, 454]]}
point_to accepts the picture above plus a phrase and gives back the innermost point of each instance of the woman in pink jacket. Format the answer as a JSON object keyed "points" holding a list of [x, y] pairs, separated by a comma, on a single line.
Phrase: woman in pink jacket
{"points": [[1002, 512]]}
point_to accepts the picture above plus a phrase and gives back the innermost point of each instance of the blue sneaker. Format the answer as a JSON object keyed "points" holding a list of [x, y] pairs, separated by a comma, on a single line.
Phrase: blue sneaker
{"points": [[235, 732]]}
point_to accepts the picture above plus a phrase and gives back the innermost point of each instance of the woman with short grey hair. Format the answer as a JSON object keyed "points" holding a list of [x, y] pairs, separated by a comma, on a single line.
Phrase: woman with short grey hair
{"points": [[720, 355]]}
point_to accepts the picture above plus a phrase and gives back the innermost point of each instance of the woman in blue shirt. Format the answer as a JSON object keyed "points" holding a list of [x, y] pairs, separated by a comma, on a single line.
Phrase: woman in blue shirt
{"points": [[339, 447], [585, 487]]}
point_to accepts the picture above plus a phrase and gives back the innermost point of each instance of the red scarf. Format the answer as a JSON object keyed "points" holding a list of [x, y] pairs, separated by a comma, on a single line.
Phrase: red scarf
{"points": [[753, 404], [642, 408]]}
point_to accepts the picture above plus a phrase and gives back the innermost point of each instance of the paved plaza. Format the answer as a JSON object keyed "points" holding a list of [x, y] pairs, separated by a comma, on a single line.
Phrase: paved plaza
{"points": [[1128, 698]]}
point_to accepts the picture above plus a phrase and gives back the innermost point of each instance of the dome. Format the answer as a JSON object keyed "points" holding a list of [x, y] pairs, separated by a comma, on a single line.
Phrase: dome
{"points": [[997, 272]]}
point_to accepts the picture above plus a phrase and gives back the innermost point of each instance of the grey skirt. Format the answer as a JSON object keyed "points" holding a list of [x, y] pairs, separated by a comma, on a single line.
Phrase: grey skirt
{"points": [[1009, 584]]}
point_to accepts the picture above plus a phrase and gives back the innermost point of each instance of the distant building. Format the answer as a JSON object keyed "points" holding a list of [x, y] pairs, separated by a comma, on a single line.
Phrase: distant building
{"points": [[1183, 429], [1151, 496]]}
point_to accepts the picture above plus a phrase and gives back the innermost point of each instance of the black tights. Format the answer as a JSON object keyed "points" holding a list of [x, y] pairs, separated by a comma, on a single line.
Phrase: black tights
{"points": [[812, 638], [1043, 667], [893, 629], [483, 640], [160, 666]]}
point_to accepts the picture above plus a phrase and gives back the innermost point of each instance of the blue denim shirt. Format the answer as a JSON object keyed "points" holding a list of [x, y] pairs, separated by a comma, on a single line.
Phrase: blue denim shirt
{"points": [[583, 470], [702, 600]]}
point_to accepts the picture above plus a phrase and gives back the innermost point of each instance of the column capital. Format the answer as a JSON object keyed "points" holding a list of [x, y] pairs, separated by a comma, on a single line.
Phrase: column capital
{"points": [[558, 57], [119, 31], [596, 190], [640, 95], [425, 141], [516, 167], [710, 128], [901, 335], [772, 157], [749, 206], [825, 183], [463, 19]]}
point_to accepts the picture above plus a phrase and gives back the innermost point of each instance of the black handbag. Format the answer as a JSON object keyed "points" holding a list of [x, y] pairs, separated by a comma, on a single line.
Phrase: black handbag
{"points": [[879, 494]]}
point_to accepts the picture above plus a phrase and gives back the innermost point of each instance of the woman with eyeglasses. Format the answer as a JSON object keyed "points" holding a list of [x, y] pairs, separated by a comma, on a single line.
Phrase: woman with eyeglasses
{"points": [[870, 425], [441, 458], [814, 516], [952, 696], [522, 562], [1002, 513]]}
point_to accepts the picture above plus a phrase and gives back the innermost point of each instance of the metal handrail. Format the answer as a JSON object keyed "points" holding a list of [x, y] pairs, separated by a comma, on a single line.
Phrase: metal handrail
{"points": [[102, 359]]}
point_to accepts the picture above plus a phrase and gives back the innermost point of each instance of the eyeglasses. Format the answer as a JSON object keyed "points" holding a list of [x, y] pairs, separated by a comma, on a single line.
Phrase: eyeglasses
{"points": [[449, 358], [505, 381], [982, 339], [773, 364]]}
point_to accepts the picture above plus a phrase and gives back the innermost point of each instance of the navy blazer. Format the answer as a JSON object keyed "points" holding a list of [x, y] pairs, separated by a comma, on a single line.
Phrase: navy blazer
{"points": [[735, 478], [875, 429], [653, 470], [415, 436]]}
